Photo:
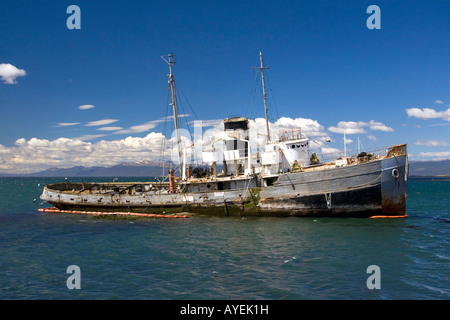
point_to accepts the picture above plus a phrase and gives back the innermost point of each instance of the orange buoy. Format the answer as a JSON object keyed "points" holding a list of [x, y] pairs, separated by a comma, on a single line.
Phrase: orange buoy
{"points": [[381, 217], [97, 213]]}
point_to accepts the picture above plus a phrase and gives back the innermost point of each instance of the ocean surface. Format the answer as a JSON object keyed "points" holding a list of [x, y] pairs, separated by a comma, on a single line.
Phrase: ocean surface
{"points": [[223, 258]]}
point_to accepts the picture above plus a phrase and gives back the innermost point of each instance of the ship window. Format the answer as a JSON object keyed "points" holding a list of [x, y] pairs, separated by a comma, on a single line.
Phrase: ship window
{"points": [[220, 185], [293, 146]]}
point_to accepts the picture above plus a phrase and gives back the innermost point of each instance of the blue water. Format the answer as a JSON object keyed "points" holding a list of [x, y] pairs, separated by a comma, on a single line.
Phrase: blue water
{"points": [[223, 258]]}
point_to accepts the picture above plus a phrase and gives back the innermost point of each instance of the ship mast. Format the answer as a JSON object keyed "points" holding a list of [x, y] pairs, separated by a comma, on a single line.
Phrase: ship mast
{"points": [[171, 62], [264, 93]]}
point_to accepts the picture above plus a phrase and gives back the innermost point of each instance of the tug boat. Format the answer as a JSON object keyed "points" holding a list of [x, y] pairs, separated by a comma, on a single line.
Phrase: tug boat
{"points": [[282, 179]]}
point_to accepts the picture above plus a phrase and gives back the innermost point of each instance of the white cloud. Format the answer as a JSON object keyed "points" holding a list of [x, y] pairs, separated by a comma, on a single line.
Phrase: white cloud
{"points": [[378, 126], [428, 113], [110, 128], [139, 128], [310, 128], [101, 122], [431, 143], [86, 107], [347, 141], [9, 73], [352, 127], [372, 137], [89, 137], [348, 127], [439, 124], [35, 154], [442, 154], [66, 124], [439, 102], [181, 115], [327, 150], [147, 125]]}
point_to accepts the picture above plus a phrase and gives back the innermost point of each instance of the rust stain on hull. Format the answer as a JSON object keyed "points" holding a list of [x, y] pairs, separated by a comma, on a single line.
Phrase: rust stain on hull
{"points": [[394, 207]]}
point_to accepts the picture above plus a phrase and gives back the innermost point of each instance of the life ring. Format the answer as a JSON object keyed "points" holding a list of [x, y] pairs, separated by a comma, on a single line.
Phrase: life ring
{"points": [[395, 173]]}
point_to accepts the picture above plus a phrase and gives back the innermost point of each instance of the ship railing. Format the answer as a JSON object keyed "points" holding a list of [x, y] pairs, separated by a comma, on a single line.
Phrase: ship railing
{"points": [[291, 134], [353, 156]]}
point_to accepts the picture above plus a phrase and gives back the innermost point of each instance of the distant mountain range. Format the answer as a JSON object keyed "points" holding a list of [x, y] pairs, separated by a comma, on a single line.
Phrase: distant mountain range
{"points": [[429, 168], [146, 168]]}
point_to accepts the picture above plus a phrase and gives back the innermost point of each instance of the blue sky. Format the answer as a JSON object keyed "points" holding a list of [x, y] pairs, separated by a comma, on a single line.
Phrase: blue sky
{"points": [[385, 86]]}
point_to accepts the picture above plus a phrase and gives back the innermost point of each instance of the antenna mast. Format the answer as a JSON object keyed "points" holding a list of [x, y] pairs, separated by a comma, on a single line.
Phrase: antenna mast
{"points": [[264, 93], [171, 62]]}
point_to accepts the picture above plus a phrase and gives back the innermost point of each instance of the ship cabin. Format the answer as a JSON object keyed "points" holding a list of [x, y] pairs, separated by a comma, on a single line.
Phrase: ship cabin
{"points": [[236, 159], [238, 164], [289, 153]]}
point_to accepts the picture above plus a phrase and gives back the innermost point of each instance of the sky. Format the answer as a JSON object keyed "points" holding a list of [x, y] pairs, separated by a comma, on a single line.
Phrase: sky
{"points": [[98, 95]]}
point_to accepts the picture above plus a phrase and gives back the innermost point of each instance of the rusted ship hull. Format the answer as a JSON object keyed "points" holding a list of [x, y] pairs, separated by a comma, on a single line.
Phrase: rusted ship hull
{"points": [[281, 179], [376, 187]]}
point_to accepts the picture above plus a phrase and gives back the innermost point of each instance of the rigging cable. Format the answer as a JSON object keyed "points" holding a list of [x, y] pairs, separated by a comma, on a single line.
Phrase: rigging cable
{"points": [[275, 108], [162, 161], [253, 97]]}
